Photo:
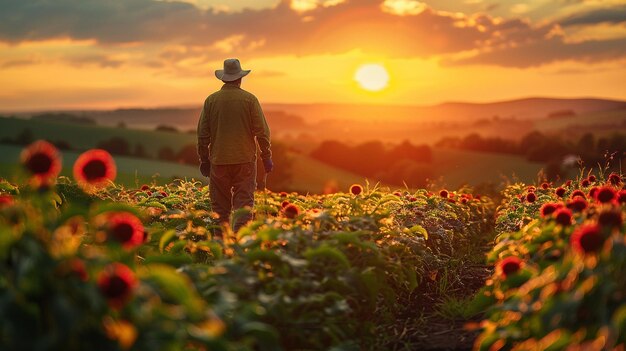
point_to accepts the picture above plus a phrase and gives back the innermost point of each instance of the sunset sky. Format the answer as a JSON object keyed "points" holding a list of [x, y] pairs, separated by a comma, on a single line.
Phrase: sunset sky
{"points": [[57, 54]]}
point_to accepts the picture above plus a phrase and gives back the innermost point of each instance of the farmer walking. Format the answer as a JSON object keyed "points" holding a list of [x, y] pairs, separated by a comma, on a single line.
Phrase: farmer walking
{"points": [[230, 122]]}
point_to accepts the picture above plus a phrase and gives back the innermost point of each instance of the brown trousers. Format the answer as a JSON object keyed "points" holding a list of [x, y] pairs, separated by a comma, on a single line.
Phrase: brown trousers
{"points": [[232, 187]]}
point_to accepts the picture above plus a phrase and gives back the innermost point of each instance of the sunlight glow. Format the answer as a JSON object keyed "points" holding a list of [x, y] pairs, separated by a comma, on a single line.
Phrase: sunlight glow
{"points": [[403, 7], [372, 77]]}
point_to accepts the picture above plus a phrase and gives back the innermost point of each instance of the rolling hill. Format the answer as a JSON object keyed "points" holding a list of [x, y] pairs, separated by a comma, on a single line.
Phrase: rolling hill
{"points": [[290, 116]]}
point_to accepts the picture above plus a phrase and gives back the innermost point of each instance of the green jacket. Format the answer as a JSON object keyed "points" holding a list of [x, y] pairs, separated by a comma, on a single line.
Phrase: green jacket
{"points": [[230, 120]]}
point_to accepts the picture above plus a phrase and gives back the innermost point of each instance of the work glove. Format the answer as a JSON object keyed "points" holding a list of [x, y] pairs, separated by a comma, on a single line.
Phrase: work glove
{"points": [[268, 165], [205, 168]]}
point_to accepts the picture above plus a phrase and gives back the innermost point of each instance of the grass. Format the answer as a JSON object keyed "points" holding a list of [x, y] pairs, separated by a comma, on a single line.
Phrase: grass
{"points": [[458, 167], [84, 137], [309, 175], [456, 308], [451, 167], [131, 171], [587, 119], [313, 175]]}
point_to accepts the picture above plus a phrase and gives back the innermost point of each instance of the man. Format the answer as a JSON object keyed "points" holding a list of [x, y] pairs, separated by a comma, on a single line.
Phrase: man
{"points": [[230, 122]]}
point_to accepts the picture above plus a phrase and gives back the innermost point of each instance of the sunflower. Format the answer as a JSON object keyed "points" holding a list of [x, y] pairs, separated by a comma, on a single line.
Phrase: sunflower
{"points": [[356, 189], [125, 228], [94, 168], [42, 160], [509, 266], [587, 239], [116, 283]]}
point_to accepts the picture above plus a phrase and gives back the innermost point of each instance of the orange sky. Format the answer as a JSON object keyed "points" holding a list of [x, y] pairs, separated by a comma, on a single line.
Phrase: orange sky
{"points": [[77, 54]]}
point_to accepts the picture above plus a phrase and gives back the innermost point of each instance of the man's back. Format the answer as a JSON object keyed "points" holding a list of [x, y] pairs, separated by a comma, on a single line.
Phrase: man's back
{"points": [[230, 119]]}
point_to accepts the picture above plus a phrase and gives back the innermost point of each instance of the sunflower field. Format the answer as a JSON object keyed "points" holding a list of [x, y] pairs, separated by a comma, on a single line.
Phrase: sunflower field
{"points": [[560, 268], [88, 264]]}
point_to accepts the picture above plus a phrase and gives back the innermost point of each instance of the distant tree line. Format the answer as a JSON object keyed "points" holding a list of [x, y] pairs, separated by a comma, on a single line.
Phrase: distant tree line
{"points": [[119, 146], [26, 137], [550, 149], [402, 163], [64, 118]]}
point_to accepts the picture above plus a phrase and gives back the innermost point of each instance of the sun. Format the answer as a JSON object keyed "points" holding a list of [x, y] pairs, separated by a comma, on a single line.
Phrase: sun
{"points": [[372, 77]]}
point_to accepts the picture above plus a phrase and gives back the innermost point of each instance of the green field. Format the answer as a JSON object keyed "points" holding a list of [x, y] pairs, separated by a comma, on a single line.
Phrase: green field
{"points": [[458, 167], [131, 171], [451, 168], [615, 117], [82, 137]]}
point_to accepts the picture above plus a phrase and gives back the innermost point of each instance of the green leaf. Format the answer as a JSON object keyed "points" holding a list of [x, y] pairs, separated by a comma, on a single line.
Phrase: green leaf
{"points": [[153, 204], [418, 229], [262, 255], [170, 260], [326, 252], [166, 238], [175, 287]]}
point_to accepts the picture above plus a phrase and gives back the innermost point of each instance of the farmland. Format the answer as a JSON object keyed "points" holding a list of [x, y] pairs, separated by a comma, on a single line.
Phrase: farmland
{"points": [[452, 167], [363, 268]]}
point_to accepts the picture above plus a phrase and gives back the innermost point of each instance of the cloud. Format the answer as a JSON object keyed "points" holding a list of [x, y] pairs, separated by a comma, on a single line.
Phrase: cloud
{"points": [[103, 61], [395, 28], [542, 52], [18, 63], [606, 15]]}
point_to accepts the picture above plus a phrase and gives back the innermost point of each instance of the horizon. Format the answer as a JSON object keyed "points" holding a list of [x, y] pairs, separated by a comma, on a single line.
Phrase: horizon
{"points": [[199, 105], [155, 53]]}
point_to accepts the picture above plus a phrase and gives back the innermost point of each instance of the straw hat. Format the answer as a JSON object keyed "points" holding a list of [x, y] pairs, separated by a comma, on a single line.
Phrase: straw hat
{"points": [[232, 71]]}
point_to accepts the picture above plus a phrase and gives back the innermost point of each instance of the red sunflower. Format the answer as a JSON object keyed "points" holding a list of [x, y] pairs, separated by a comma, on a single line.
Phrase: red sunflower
{"points": [[509, 266], [356, 189], [615, 178], [605, 194], [6, 200], [548, 209], [560, 191], [587, 239], [42, 160], [577, 204], [116, 283], [291, 211], [563, 216], [95, 168], [125, 228], [610, 218]]}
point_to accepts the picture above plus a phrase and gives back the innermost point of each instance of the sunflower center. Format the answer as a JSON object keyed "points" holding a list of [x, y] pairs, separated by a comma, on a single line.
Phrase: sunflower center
{"points": [[95, 169], [116, 288], [605, 195], [39, 163], [510, 268], [591, 242], [123, 232]]}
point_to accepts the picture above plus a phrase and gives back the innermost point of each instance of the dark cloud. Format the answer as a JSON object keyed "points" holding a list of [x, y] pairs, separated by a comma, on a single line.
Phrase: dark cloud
{"points": [[550, 50], [18, 63], [608, 15], [96, 59], [114, 21], [186, 31]]}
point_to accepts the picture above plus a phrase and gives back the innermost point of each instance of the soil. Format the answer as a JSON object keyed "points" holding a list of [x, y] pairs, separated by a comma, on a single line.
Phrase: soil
{"points": [[422, 328]]}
